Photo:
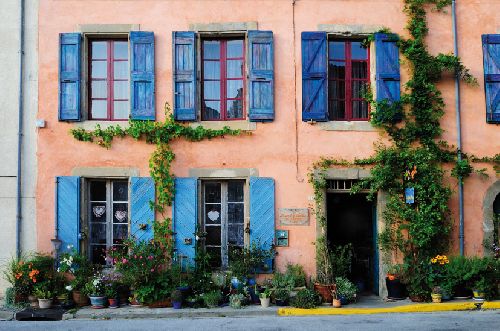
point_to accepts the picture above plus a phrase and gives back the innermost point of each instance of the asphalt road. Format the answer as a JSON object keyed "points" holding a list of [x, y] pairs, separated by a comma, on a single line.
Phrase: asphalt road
{"points": [[474, 320]]}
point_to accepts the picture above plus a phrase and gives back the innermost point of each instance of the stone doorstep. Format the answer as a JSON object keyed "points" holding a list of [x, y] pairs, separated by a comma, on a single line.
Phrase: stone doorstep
{"points": [[6, 315]]}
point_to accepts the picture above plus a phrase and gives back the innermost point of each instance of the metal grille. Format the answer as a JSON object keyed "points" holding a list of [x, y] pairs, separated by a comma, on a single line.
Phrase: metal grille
{"points": [[341, 184]]}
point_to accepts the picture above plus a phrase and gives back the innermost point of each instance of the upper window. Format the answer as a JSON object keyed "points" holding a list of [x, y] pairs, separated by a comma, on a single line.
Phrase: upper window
{"points": [[348, 74], [223, 79], [109, 80]]}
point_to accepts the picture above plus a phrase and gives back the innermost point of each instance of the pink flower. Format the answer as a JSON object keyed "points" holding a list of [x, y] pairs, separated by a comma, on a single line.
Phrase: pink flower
{"points": [[140, 257], [135, 256], [150, 257], [152, 270], [124, 260]]}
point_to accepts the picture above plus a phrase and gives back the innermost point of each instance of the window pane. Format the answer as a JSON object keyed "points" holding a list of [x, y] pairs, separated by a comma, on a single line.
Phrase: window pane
{"points": [[213, 235], [234, 89], [121, 89], [235, 108], [99, 50], [336, 50], [99, 89], [234, 48], [98, 254], [235, 191], [359, 70], [121, 70], [211, 110], [211, 49], [98, 233], [99, 69], [120, 212], [97, 191], [358, 87], [337, 89], [235, 235], [213, 214], [337, 109], [358, 52], [98, 212], [99, 109], [214, 256], [120, 191], [120, 110], [211, 69], [120, 233], [211, 90], [121, 50], [359, 109], [336, 69], [235, 213], [212, 192], [234, 68]]}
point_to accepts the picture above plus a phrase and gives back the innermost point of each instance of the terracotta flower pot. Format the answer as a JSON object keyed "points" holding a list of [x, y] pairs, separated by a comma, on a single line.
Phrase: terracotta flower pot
{"points": [[325, 291], [80, 299], [113, 303], [336, 303]]}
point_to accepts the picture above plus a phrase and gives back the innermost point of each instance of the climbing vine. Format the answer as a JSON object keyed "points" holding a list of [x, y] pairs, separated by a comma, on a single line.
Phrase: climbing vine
{"points": [[414, 156]]}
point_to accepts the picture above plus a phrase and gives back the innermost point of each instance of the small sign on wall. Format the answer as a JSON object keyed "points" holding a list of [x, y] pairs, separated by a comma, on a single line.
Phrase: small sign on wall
{"points": [[282, 238], [293, 216], [410, 195]]}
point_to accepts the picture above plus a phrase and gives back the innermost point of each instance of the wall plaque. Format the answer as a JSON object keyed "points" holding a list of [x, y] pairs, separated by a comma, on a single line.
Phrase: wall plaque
{"points": [[293, 216]]}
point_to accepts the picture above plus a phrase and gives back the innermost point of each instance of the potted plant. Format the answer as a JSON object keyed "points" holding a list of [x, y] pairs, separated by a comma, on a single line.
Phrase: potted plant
{"points": [[265, 297], [281, 296], [346, 290], [111, 292], [479, 289], [306, 299], [395, 288], [211, 299], [336, 303], [44, 295], [95, 290], [436, 294], [235, 300], [176, 299]]}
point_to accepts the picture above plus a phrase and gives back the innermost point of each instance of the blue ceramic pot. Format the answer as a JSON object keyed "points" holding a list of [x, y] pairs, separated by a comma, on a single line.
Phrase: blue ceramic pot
{"points": [[177, 304], [98, 301]]}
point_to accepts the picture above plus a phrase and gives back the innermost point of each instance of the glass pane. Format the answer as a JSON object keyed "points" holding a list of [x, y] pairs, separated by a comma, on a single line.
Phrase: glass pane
{"points": [[121, 69], [98, 233], [358, 52], [97, 191], [359, 70], [120, 212], [234, 48], [211, 110], [211, 69], [358, 87], [120, 191], [120, 110], [214, 256], [99, 89], [234, 89], [99, 50], [212, 192], [234, 109], [211, 49], [235, 191], [99, 69], [213, 235], [120, 233], [98, 254], [121, 50], [359, 109], [337, 110], [212, 214], [98, 212], [337, 89], [211, 90], [235, 213], [235, 235], [234, 68], [99, 109], [336, 50], [121, 89], [336, 69]]}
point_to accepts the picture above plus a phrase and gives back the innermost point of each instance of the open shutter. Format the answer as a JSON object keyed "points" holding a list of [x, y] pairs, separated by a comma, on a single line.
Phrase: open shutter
{"points": [[314, 77], [491, 58], [261, 75], [184, 68], [185, 217], [142, 75], [142, 216], [68, 211], [70, 58], [388, 76], [262, 214]]}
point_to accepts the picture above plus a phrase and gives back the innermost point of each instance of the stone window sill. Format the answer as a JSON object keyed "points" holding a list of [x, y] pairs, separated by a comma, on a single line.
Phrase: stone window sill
{"points": [[219, 125], [90, 125], [347, 126]]}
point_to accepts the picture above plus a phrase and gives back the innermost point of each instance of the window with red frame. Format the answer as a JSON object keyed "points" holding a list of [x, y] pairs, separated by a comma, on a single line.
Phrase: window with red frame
{"points": [[348, 74], [223, 63], [109, 80]]}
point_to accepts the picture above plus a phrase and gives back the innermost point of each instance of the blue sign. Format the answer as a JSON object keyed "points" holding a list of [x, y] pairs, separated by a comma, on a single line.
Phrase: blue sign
{"points": [[410, 195]]}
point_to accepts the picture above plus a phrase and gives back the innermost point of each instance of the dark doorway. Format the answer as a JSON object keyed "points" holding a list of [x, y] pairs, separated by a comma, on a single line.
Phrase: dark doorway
{"points": [[351, 220]]}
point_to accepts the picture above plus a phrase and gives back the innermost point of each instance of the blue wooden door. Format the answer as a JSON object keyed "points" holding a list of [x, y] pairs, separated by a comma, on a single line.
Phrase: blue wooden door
{"points": [[142, 215], [68, 212], [185, 218]]}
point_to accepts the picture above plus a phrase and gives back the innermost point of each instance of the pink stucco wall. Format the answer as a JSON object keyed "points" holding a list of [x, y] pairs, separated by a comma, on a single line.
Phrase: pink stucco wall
{"points": [[273, 148]]}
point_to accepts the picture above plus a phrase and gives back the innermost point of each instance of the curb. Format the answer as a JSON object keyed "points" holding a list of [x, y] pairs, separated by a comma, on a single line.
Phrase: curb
{"points": [[414, 308]]}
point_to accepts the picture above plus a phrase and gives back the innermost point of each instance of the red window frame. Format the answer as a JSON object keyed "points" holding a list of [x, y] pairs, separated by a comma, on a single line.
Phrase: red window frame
{"points": [[348, 94], [223, 79], [110, 78]]}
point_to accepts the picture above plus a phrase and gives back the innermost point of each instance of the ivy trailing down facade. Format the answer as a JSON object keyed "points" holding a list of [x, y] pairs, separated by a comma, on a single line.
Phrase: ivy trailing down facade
{"points": [[229, 120]]}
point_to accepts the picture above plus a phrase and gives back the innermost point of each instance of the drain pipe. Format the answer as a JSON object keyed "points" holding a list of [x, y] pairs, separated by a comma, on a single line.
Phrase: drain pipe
{"points": [[20, 134], [459, 133]]}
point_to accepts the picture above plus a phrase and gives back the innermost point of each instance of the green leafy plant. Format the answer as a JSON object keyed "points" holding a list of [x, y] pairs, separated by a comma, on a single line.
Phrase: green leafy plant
{"points": [[282, 294], [306, 298], [176, 296], [95, 286], [244, 262], [297, 274], [266, 293], [235, 300], [212, 299], [43, 291], [345, 288]]}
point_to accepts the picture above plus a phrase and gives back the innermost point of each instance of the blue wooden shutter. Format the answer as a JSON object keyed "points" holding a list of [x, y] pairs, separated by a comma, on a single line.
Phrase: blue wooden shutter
{"points": [[314, 77], [142, 216], [70, 58], [491, 58], [261, 78], [184, 68], [262, 213], [185, 218], [142, 75], [387, 58], [68, 211]]}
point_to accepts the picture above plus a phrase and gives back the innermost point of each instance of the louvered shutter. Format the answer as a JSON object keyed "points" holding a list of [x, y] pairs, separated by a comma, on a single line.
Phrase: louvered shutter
{"points": [[388, 76], [68, 211], [261, 75], [184, 68], [142, 75], [185, 217], [142, 216], [69, 76], [314, 77], [262, 215], [491, 59]]}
